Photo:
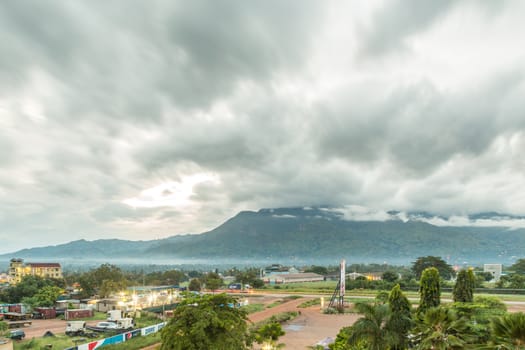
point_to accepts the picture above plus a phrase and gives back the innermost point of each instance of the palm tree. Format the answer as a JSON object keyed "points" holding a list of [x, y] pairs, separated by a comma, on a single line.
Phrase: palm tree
{"points": [[509, 331], [371, 328], [440, 328]]}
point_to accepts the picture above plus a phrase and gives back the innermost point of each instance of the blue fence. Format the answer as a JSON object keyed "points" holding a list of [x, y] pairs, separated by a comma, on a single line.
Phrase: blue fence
{"points": [[119, 338]]}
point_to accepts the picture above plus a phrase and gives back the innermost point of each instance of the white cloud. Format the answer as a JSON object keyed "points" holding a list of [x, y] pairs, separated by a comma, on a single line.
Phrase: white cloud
{"points": [[171, 193]]}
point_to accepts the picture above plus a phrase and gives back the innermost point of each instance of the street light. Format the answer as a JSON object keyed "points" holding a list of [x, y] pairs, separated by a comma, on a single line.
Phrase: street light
{"points": [[267, 346]]}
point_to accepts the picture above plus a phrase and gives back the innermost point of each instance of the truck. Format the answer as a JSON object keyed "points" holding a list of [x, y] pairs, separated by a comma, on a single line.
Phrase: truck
{"points": [[114, 315], [125, 323], [75, 328]]}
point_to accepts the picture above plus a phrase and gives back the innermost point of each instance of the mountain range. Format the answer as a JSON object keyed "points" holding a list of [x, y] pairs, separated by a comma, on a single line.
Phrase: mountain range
{"points": [[310, 236]]}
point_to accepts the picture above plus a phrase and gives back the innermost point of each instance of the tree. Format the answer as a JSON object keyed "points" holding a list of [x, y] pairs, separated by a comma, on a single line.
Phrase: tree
{"points": [[3, 327], [27, 288], [390, 276], [195, 285], [445, 270], [509, 331], [212, 281], [518, 266], [440, 329], [371, 328], [400, 320], [206, 322], [249, 276], [269, 333], [464, 287], [109, 287], [429, 289], [513, 281], [105, 280], [321, 270], [45, 297]]}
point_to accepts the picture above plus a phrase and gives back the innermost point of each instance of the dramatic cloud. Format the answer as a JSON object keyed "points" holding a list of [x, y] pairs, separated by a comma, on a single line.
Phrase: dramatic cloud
{"points": [[139, 120]]}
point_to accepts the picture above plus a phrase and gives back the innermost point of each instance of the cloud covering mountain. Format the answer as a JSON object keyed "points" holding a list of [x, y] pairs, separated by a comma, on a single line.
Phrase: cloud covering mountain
{"points": [[139, 120]]}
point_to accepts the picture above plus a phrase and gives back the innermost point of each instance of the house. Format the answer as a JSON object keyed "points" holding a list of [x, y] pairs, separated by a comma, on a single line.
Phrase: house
{"points": [[278, 269], [494, 269], [17, 270], [105, 305]]}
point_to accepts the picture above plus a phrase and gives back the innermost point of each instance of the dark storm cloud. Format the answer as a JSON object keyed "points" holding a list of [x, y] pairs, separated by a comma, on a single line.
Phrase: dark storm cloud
{"points": [[138, 119], [126, 64], [419, 127]]}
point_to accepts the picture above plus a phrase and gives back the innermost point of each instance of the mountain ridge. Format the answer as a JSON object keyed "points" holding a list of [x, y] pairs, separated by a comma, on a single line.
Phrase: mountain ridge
{"points": [[310, 235]]}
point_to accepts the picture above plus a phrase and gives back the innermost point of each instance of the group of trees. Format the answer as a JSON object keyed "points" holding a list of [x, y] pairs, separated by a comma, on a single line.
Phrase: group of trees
{"points": [[468, 322], [34, 291], [108, 279], [214, 322]]}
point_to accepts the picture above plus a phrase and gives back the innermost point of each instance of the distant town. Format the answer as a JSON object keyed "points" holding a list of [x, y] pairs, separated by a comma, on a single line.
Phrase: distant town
{"points": [[107, 301]]}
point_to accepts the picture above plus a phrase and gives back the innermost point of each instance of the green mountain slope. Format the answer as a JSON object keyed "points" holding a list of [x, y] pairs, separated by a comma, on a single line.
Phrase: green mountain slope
{"points": [[305, 235]]}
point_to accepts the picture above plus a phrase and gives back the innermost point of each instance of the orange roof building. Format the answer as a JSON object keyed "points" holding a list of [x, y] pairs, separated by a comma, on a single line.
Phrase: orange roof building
{"points": [[17, 270]]}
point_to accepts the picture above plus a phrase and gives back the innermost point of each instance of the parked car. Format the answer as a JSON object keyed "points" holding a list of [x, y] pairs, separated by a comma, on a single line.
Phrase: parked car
{"points": [[17, 334], [107, 325]]}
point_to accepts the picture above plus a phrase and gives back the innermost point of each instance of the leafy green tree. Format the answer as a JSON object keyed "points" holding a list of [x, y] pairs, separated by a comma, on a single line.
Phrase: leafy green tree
{"points": [[249, 276], [371, 329], [109, 287], [440, 328], [485, 276], [269, 334], [518, 266], [170, 277], [445, 270], [509, 331], [341, 340], [400, 321], [464, 288], [212, 281], [513, 281], [105, 280], [3, 327], [390, 276], [27, 288], [195, 285], [45, 297], [321, 270], [207, 322], [429, 289]]}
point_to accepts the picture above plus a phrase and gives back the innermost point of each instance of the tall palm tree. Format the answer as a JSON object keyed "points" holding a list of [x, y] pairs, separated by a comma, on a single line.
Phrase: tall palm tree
{"points": [[371, 328], [440, 328], [509, 331]]}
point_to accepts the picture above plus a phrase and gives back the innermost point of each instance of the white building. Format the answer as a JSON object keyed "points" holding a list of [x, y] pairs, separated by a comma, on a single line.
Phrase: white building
{"points": [[494, 269]]}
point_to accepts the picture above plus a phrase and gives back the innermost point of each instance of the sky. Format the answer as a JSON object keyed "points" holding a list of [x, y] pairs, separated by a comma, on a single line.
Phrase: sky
{"points": [[144, 119]]}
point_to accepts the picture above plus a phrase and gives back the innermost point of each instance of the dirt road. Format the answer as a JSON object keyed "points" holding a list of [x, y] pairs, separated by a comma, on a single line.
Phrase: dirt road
{"points": [[39, 327]]}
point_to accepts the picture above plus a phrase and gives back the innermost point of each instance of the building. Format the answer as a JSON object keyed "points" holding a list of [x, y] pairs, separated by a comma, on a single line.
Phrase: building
{"points": [[293, 278], [17, 270], [4, 278], [278, 269], [494, 269]]}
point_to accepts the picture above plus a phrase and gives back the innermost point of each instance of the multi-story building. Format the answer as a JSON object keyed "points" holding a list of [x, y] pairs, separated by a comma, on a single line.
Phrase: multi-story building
{"points": [[17, 270]]}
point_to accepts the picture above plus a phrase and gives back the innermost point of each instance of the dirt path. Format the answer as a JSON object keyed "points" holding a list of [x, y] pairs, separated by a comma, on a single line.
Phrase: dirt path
{"points": [[39, 327], [313, 326], [310, 327], [284, 307]]}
